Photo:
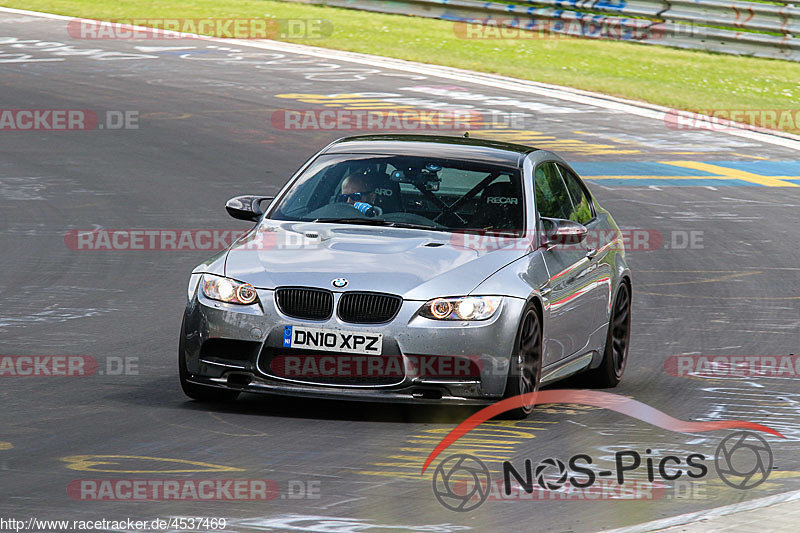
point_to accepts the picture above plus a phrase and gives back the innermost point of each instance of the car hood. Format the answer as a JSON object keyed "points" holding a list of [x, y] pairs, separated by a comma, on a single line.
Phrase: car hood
{"points": [[415, 264]]}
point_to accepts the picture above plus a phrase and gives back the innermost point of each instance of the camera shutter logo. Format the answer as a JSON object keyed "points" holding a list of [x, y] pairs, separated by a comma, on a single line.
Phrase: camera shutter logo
{"points": [[743, 460], [461, 482], [546, 465]]}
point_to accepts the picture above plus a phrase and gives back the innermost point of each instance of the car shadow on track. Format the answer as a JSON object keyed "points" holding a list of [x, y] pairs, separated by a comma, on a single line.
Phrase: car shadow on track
{"points": [[169, 394]]}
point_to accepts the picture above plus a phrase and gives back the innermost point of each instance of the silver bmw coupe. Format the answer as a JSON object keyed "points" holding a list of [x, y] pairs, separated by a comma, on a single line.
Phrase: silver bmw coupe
{"points": [[412, 268]]}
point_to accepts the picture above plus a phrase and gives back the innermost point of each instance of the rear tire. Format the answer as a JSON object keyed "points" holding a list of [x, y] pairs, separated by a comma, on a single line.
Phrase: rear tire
{"points": [[525, 371], [199, 392], [615, 354]]}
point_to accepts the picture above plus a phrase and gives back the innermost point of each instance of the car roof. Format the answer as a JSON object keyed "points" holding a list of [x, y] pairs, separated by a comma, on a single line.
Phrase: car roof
{"points": [[444, 146]]}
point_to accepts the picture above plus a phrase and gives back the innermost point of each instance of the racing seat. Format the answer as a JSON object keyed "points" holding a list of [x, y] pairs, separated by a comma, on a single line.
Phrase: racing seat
{"points": [[387, 195], [501, 207]]}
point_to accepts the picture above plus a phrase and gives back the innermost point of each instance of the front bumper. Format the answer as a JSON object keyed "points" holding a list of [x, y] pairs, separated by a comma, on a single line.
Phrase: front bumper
{"points": [[242, 337]]}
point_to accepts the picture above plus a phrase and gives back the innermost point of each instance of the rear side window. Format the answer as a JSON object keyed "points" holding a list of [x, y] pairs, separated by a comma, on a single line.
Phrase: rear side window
{"points": [[582, 206], [552, 197]]}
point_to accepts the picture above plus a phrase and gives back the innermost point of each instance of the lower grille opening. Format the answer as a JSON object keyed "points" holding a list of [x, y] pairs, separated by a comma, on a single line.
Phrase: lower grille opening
{"points": [[229, 350], [427, 394], [239, 380]]}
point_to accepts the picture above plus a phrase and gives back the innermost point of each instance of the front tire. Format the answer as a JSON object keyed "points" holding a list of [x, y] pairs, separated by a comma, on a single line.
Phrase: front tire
{"points": [[194, 391], [525, 371], [615, 355]]}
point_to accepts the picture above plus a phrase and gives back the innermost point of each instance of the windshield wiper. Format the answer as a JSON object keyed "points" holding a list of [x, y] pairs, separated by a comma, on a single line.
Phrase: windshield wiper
{"points": [[379, 222], [418, 226], [355, 220]]}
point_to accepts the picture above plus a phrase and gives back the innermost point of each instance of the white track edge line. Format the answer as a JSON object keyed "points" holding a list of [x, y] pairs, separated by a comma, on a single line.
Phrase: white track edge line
{"points": [[690, 518]]}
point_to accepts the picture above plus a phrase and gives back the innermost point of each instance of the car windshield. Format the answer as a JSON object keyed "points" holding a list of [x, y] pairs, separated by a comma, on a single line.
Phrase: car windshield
{"points": [[405, 191]]}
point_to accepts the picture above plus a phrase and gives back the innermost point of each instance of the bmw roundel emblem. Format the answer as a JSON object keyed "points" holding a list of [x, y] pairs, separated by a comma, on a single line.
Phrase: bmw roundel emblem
{"points": [[339, 283]]}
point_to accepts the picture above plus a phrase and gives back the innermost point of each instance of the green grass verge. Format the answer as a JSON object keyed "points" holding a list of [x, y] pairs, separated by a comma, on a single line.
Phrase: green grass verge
{"points": [[674, 78]]}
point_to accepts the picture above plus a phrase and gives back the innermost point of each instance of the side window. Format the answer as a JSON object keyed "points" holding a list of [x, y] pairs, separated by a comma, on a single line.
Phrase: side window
{"points": [[582, 211], [552, 198]]}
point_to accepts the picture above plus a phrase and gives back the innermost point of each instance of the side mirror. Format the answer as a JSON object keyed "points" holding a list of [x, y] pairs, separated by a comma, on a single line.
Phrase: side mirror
{"points": [[247, 207], [562, 231]]}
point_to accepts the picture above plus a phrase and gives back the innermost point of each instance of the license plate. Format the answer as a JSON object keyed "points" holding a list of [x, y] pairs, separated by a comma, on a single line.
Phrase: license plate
{"points": [[332, 340]]}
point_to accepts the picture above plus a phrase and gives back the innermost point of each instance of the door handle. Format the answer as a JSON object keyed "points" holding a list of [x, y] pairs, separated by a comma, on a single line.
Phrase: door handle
{"points": [[591, 254]]}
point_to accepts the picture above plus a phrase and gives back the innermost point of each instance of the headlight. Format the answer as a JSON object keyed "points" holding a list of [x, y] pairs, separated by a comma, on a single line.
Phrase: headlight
{"points": [[465, 308], [228, 290]]}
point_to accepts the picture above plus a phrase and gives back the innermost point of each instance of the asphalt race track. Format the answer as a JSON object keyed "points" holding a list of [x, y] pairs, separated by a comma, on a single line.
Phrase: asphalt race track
{"points": [[724, 280]]}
